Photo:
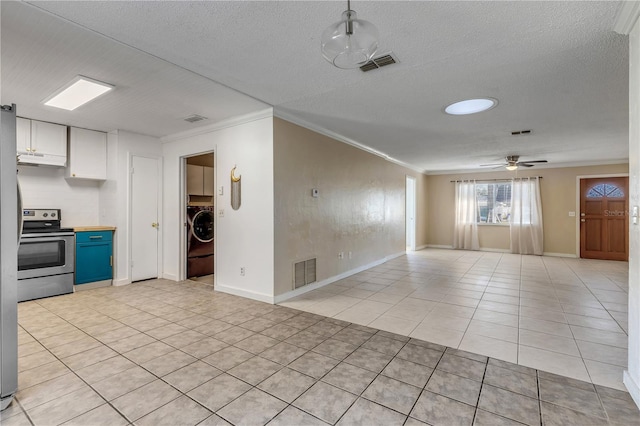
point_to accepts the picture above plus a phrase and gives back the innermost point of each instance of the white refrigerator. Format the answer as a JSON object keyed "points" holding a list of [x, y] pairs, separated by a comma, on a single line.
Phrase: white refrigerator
{"points": [[10, 214]]}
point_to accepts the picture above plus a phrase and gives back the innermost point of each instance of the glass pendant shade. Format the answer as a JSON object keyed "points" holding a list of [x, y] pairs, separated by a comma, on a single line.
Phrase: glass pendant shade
{"points": [[350, 43]]}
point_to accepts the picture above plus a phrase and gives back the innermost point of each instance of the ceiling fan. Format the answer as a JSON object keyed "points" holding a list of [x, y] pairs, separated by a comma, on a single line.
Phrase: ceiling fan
{"points": [[512, 163]]}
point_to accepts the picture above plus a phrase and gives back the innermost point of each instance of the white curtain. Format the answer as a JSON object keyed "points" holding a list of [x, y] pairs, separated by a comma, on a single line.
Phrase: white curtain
{"points": [[466, 226], [526, 217]]}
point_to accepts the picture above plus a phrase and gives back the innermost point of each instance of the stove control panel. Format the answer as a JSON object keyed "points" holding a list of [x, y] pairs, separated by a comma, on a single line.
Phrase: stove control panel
{"points": [[40, 214]]}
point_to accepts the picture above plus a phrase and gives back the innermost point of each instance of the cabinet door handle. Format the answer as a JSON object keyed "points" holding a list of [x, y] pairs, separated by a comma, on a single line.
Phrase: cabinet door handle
{"points": [[95, 237], [110, 260]]}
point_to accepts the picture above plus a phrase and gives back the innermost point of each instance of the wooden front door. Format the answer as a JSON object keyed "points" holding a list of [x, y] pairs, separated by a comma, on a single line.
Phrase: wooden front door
{"points": [[604, 218]]}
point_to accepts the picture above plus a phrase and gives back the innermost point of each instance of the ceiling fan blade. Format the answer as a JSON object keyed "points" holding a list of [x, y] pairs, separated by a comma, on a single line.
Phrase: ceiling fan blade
{"points": [[534, 161], [524, 165], [489, 165]]}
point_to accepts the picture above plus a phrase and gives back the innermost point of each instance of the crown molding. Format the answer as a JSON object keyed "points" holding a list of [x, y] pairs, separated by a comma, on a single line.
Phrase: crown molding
{"points": [[231, 122], [538, 167], [626, 17], [333, 135]]}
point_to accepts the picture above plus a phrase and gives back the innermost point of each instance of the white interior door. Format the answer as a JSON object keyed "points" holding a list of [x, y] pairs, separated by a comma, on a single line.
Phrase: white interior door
{"points": [[410, 211], [145, 178]]}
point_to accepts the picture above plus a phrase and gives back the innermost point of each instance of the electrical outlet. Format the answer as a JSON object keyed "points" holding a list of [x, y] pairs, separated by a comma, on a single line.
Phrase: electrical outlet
{"points": [[221, 213], [242, 271]]}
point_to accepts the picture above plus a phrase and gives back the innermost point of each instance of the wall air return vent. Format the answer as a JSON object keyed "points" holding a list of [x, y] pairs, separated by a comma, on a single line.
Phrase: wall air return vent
{"points": [[194, 118], [304, 273], [379, 62]]}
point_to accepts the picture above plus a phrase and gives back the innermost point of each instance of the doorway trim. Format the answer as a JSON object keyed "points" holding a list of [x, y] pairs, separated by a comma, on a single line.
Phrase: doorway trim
{"points": [[182, 194], [410, 200], [577, 211]]}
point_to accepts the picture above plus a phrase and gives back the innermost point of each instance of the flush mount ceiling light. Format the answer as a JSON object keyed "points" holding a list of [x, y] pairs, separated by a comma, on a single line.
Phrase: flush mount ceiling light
{"points": [[77, 92], [471, 106], [350, 43]]}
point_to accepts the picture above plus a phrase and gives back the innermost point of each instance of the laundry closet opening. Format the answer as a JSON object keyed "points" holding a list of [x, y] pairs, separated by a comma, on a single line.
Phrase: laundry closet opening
{"points": [[200, 218]]}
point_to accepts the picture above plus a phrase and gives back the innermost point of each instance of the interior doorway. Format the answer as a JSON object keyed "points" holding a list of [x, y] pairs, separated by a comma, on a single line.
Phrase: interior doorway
{"points": [[199, 179], [604, 218], [410, 212]]}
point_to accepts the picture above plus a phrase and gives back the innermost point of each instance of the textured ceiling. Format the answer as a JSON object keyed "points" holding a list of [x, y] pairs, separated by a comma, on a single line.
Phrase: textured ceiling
{"points": [[555, 67]]}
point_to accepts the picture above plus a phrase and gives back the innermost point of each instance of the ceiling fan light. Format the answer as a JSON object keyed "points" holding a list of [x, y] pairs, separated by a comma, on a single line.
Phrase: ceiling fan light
{"points": [[512, 167], [471, 106], [349, 43]]}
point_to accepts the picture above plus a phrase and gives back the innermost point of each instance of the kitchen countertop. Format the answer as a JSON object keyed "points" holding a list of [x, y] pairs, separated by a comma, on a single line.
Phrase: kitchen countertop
{"points": [[93, 228]]}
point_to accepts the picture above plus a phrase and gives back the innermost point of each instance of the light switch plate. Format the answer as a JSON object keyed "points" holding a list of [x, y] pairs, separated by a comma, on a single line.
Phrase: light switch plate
{"points": [[315, 193], [572, 214], [221, 190]]}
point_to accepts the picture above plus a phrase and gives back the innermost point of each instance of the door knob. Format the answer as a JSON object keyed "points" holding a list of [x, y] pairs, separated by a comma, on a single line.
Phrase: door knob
{"points": [[155, 225], [583, 220], [583, 214]]}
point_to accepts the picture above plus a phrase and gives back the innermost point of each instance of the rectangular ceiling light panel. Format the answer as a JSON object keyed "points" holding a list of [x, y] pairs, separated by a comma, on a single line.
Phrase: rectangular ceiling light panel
{"points": [[78, 92]]}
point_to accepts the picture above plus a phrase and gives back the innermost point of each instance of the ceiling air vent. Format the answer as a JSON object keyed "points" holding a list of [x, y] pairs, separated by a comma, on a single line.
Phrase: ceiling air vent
{"points": [[521, 132], [379, 62], [194, 118], [304, 273]]}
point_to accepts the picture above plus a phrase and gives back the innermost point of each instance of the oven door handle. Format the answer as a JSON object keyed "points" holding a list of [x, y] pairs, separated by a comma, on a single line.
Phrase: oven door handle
{"points": [[48, 239], [20, 218]]}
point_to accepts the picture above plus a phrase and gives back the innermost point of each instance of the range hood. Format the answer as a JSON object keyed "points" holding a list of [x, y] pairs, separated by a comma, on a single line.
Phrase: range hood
{"points": [[37, 159]]}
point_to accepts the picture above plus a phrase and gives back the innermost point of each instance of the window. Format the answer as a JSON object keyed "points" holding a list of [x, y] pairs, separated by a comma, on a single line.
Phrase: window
{"points": [[494, 202], [605, 190]]}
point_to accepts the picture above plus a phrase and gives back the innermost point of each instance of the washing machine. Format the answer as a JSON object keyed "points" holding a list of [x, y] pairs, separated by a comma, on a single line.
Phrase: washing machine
{"points": [[200, 243]]}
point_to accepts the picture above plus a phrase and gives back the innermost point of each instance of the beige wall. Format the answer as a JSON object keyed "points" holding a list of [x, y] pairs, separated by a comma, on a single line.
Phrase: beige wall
{"points": [[360, 208], [558, 193]]}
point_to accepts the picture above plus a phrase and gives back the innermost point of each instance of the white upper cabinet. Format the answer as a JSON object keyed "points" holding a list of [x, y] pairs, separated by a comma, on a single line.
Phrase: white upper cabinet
{"points": [[194, 179], [87, 154], [200, 180], [207, 184], [23, 133], [39, 142], [48, 138]]}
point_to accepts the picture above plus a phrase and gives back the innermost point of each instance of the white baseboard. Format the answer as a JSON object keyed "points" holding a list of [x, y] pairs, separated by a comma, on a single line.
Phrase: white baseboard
{"points": [[632, 387], [297, 292], [492, 250], [172, 277], [422, 247], [550, 254], [570, 255], [244, 293], [438, 246], [121, 281]]}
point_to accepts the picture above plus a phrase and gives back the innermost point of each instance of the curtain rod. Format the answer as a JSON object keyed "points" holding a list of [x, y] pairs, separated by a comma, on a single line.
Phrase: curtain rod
{"points": [[496, 180]]}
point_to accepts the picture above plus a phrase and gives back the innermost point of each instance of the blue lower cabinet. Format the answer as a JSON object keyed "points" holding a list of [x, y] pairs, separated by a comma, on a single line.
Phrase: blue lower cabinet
{"points": [[94, 256]]}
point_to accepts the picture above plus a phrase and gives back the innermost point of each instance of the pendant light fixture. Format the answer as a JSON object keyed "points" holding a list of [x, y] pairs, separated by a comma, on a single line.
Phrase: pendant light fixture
{"points": [[350, 43]]}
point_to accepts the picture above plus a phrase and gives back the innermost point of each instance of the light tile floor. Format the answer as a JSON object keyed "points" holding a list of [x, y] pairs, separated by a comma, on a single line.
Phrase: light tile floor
{"points": [[564, 316], [166, 353]]}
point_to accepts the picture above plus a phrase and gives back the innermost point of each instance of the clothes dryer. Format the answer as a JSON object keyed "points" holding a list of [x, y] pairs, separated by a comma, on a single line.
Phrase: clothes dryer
{"points": [[200, 240]]}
